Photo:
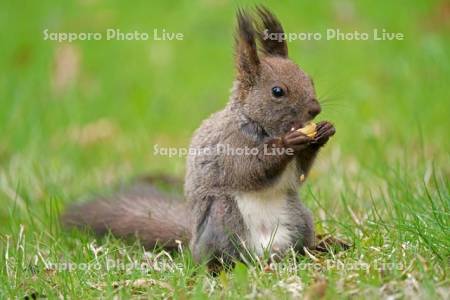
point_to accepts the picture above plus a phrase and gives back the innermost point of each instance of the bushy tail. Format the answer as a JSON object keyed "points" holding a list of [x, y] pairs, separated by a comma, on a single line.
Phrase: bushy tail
{"points": [[140, 211]]}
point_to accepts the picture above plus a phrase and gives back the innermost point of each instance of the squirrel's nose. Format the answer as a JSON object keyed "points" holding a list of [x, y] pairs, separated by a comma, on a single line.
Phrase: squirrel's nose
{"points": [[314, 109]]}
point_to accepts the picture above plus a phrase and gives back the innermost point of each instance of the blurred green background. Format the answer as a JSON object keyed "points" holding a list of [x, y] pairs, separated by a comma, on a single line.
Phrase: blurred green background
{"points": [[159, 91], [81, 116]]}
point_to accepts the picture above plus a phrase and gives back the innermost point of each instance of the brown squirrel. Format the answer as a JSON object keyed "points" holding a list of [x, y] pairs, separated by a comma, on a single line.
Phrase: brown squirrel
{"points": [[234, 202]]}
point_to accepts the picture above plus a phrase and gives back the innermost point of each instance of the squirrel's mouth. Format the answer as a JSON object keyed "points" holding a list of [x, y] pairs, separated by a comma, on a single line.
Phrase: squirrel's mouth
{"points": [[296, 125]]}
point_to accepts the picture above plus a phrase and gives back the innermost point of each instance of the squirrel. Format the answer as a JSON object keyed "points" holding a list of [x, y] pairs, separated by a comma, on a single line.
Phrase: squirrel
{"points": [[233, 202]]}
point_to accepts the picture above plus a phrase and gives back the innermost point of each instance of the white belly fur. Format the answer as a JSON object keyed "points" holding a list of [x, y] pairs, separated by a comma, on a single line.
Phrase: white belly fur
{"points": [[264, 213]]}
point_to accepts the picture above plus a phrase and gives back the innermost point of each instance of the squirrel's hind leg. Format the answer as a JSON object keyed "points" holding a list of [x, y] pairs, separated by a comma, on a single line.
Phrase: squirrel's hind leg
{"points": [[218, 229]]}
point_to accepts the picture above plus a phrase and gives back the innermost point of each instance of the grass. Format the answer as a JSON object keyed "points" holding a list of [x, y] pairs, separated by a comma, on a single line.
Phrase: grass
{"points": [[382, 183]]}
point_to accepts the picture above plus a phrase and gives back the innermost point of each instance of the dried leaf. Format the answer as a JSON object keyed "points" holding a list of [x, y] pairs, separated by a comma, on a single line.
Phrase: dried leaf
{"points": [[317, 290], [66, 66], [93, 133]]}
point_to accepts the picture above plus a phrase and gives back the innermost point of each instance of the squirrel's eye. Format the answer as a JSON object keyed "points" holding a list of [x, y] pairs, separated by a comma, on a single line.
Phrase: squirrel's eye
{"points": [[277, 92]]}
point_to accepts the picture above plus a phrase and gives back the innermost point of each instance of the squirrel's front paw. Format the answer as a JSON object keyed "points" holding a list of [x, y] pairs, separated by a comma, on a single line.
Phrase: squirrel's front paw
{"points": [[325, 130], [296, 140]]}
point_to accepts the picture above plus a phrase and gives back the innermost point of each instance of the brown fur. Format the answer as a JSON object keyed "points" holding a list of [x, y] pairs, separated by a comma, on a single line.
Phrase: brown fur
{"points": [[219, 187], [139, 211]]}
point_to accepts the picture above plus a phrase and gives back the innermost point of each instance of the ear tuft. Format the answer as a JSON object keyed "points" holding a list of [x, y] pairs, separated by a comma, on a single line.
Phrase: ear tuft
{"points": [[247, 61], [271, 25]]}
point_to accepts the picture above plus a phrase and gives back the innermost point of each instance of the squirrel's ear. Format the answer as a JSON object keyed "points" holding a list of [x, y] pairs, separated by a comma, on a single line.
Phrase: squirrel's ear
{"points": [[247, 61], [271, 25]]}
